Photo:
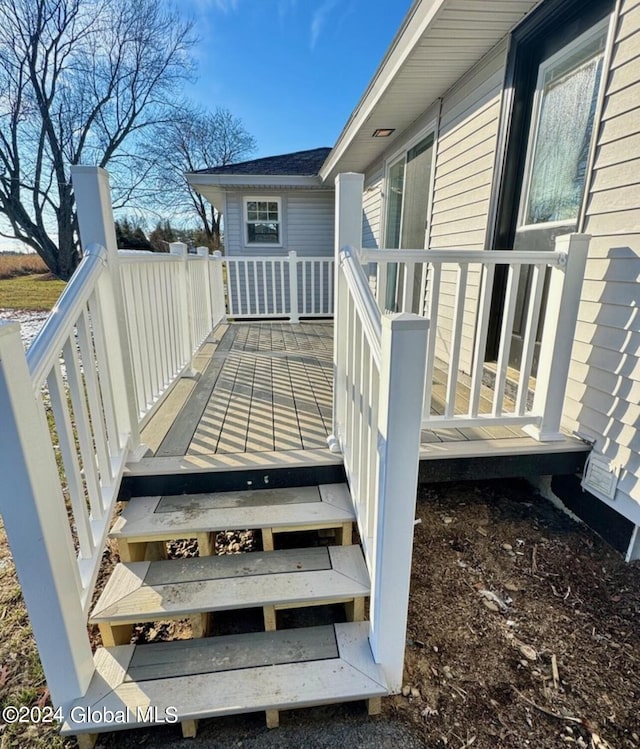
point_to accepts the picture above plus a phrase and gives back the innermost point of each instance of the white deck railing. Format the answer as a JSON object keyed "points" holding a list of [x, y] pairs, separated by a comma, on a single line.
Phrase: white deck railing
{"points": [[288, 286], [172, 302], [457, 298], [379, 363], [125, 328]]}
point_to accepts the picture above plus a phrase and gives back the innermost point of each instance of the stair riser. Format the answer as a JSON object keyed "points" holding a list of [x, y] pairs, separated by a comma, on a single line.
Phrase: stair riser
{"points": [[196, 483]]}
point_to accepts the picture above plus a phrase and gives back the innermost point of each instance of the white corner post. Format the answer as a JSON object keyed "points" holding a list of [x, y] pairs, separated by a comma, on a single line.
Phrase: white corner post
{"points": [[97, 226], [203, 252], [348, 233], [33, 510], [180, 249], [216, 282], [403, 357], [558, 333], [294, 314]]}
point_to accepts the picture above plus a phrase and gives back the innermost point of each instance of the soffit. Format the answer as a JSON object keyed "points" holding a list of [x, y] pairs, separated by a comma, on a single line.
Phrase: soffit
{"points": [[438, 43]]}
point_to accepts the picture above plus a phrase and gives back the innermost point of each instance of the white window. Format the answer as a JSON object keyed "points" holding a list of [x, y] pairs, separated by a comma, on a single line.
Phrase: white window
{"points": [[409, 189], [262, 218], [562, 129]]}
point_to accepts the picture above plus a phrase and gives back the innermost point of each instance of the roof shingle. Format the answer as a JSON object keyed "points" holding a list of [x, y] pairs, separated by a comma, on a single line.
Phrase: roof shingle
{"points": [[300, 164]]}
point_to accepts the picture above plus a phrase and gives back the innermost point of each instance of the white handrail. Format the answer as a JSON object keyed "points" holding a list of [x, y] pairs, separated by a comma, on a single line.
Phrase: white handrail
{"points": [[457, 296], [363, 299], [59, 325], [495, 257]]}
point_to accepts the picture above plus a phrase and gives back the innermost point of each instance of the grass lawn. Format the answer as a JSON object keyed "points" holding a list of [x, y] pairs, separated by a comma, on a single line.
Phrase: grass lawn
{"points": [[34, 292]]}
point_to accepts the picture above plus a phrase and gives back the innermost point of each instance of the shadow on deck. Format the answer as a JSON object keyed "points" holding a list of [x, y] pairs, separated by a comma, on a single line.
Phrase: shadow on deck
{"points": [[258, 406]]}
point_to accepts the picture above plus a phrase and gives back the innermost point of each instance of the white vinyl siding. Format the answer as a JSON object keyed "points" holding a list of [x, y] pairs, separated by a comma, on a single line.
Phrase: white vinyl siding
{"points": [[604, 383], [306, 223], [310, 222], [464, 171], [372, 210]]}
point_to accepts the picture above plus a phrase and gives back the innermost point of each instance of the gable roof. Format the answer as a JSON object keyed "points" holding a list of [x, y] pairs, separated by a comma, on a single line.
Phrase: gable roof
{"points": [[298, 164]]}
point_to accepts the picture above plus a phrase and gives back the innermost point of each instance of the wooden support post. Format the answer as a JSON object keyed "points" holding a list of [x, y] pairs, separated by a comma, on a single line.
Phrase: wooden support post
{"points": [[374, 705], [115, 634], [560, 319], [348, 233], [355, 610], [206, 544], [34, 515], [403, 349], [267, 539], [200, 624], [189, 729], [344, 536], [86, 740], [131, 551], [269, 618], [273, 718]]}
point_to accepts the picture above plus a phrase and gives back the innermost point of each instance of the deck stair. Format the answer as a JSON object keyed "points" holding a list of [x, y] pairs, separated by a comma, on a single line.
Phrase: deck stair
{"points": [[220, 674]]}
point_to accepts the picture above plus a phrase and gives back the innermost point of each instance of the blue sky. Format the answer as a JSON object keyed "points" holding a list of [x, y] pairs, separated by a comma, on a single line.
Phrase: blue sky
{"points": [[292, 70]]}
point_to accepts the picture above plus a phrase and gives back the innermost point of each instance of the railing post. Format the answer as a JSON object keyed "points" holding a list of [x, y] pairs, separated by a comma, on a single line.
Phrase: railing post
{"points": [[217, 288], [403, 357], [348, 233], [560, 319], [95, 220], [33, 511], [203, 252], [181, 250], [294, 314]]}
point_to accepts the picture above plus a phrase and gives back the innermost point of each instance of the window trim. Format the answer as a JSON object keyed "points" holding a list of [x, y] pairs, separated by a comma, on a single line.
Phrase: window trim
{"points": [[598, 29], [390, 161], [245, 219], [524, 48]]}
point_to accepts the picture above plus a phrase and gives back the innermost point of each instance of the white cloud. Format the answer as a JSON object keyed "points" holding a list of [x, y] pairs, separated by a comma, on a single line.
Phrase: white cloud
{"points": [[319, 20]]}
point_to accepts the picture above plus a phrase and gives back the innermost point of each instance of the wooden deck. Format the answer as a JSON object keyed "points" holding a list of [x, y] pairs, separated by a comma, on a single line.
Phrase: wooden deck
{"points": [[262, 395]]}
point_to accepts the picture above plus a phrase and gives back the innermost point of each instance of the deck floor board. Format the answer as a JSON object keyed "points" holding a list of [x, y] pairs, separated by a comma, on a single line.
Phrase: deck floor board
{"points": [[268, 389]]}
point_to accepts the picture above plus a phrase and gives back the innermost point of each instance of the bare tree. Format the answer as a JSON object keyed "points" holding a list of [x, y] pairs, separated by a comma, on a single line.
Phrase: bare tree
{"points": [[79, 81], [195, 140]]}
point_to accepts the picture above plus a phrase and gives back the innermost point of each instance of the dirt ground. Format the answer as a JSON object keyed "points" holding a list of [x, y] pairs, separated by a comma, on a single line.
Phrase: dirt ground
{"points": [[524, 627], [524, 631]]}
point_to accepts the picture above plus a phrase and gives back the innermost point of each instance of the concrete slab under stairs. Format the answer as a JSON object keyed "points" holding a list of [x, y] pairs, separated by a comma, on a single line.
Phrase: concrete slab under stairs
{"points": [[211, 674]]}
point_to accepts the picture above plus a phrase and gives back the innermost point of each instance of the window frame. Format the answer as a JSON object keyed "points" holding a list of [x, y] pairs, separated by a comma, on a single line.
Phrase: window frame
{"points": [[598, 29], [400, 154], [245, 219]]}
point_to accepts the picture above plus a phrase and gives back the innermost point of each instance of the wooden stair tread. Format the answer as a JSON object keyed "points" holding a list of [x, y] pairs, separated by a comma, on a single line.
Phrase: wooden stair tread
{"points": [[305, 670], [183, 516], [146, 591]]}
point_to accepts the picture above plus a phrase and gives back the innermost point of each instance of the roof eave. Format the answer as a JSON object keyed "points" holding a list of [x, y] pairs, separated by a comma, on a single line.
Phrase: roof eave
{"points": [[196, 179], [416, 22]]}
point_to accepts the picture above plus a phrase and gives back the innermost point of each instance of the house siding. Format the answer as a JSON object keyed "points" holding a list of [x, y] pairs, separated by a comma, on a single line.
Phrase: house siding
{"points": [[372, 209], [464, 173], [307, 223], [604, 382]]}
